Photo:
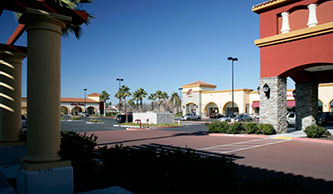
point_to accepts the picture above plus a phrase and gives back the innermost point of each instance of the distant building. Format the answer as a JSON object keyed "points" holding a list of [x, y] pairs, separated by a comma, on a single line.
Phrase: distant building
{"points": [[201, 98], [74, 106]]}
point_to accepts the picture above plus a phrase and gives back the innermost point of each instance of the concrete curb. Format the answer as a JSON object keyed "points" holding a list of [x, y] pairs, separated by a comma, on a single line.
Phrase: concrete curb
{"points": [[302, 139], [150, 128]]}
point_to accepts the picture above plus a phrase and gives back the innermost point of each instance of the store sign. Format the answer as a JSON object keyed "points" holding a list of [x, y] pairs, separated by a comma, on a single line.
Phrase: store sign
{"points": [[77, 104]]}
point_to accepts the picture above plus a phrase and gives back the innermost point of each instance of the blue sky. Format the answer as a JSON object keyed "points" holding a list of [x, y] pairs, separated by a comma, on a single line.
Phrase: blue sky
{"points": [[157, 45]]}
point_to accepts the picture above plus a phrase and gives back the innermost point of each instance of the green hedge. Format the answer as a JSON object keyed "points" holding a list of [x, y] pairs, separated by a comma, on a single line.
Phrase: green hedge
{"points": [[315, 131], [240, 128]]}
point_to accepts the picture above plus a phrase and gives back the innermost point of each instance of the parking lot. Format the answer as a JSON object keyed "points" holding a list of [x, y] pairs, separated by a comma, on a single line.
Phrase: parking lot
{"points": [[306, 159]]}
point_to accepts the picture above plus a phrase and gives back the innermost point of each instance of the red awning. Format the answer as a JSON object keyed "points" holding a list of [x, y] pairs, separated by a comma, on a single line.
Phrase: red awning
{"points": [[255, 104], [291, 103]]}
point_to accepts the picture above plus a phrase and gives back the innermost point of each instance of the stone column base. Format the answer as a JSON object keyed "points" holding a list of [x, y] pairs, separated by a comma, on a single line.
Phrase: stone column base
{"points": [[49, 181]]}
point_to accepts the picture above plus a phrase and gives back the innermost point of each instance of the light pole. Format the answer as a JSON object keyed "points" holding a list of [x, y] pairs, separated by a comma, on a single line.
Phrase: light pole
{"points": [[232, 80], [85, 90], [180, 98], [119, 80]]}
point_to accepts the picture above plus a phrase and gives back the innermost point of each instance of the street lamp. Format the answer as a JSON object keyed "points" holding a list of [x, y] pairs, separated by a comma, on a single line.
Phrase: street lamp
{"points": [[119, 80], [232, 80], [85, 90]]}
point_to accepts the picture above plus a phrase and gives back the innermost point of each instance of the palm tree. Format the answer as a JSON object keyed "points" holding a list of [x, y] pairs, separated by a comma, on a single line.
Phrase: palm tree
{"points": [[152, 97], [159, 97], [118, 95], [136, 98], [104, 96], [175, 100], [140, 93], [165, 97], [125, 92]]}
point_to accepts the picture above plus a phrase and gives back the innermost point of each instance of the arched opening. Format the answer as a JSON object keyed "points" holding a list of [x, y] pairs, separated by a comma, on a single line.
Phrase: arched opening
{"points": [[76, 110], [331, 106], [91, 110], [191, 108], [64, 110], [211, 108], [227, 109], [320, 106]]}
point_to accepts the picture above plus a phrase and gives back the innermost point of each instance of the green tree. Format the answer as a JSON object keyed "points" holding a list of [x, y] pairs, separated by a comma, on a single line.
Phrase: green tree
{"points": [[104, 96], [152, 98], [161, 97], [175, 100], [140, 94], [125, 92]]}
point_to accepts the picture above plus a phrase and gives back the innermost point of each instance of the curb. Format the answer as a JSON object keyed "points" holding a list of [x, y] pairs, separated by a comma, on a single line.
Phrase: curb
{"points": [[237, 135], [150, 128], [323, 141], [138, 129]]}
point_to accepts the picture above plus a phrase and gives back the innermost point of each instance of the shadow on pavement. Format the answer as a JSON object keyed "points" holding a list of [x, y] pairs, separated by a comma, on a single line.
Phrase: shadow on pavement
{"points": [[198, 133], [260, 180]]}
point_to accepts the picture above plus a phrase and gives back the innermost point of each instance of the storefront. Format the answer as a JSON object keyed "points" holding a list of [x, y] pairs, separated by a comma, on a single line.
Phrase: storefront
{"points": [[74, 106], [202, 98]]}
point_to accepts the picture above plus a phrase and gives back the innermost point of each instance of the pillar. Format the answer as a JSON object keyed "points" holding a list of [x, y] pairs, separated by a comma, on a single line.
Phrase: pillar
{"points": [[306, 105], [312, 20], [10, 96], [42, 171], [285, 22], [273, 104]]}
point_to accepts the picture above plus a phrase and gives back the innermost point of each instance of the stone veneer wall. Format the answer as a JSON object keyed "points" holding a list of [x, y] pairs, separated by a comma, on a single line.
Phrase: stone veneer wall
{"points": [[273, 110], [306, 105]]}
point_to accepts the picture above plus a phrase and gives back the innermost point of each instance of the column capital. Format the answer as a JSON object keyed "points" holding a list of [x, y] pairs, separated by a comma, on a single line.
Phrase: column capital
{"points": [[32, 16]]}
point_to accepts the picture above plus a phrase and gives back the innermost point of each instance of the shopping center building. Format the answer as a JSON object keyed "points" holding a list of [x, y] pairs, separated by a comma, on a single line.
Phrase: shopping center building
{"points": [[75, 106], [201, 98]]}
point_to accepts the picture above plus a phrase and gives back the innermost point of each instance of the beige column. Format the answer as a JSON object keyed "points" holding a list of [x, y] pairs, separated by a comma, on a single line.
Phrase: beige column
{"points": [[10, 96], [44, 44]]}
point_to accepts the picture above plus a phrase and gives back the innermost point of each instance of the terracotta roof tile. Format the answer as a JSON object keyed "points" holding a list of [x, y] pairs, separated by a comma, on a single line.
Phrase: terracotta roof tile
{"points": [[94, 94], [199, 84], [78, 100]]}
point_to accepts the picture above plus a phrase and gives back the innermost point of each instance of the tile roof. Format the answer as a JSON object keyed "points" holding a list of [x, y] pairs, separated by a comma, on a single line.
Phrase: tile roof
{"points": [[78, 100], [199, 84], [266, 4], [94, 94]]}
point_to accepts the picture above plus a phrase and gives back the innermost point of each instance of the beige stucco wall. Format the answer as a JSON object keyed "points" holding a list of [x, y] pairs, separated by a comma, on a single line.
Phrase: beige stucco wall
{"points": [[325, 95]]}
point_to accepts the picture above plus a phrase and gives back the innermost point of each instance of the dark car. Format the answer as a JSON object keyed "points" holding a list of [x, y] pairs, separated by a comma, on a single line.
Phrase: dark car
{"points": [[215, 115], [240, 118], [122, 118], [325, 118]]}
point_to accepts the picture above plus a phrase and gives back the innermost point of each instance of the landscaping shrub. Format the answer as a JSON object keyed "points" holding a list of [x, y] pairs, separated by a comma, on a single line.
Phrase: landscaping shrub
{"points": [[252, 128], [179, 114], [217, 127], [75, 118], [236, 128], [167, 170], [315, 131], [266, 129]]}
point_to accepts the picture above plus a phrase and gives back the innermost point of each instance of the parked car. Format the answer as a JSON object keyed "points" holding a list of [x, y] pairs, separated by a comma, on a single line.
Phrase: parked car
{"points": [[215, 115], [225, 119], [325, 118], [291, 119], [191, 116], [122, 118], [241, 118]]}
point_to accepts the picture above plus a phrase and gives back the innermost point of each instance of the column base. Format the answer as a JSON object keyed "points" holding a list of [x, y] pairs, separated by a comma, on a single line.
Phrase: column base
{"points": [[51, 181]]}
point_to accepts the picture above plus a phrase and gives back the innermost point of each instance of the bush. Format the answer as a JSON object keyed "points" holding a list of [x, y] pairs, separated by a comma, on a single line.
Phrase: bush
{"points": [[315, 131], [266, 129], [217, 127], [235, 128], [252, 128], [179, 114], [75, 118]]}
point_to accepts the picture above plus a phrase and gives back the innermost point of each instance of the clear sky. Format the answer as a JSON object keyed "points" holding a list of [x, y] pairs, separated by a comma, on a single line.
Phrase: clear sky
{"points": [[157, 45]]}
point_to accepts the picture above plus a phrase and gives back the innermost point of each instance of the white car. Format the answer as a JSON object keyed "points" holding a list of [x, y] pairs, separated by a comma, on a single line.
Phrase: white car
{"points": [[225, 119], [191, 116], [291, 119]]}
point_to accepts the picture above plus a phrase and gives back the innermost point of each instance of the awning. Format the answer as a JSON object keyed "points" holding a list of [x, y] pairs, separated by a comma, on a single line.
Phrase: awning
{"points": [[255, 104], [291, 103]]}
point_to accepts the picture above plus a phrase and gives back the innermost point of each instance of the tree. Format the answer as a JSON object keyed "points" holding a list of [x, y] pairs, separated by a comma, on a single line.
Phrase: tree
{"points": [[161, 97], [118, 95], [165, 97], [104, 96], [175, 100], [140, 94], [125, 92], [152, 97]]}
